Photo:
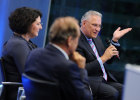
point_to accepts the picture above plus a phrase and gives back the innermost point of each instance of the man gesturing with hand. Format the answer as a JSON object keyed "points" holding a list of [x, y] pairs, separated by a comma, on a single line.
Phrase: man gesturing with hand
{"points": [[103, 84]]}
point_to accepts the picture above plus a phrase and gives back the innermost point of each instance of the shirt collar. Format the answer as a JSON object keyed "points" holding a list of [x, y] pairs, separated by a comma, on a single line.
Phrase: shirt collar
{"points": [[61, 50], [85, 36]]}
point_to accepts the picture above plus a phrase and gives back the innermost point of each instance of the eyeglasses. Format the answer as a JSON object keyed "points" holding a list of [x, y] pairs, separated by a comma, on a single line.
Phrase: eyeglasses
{"points": [[96, 25]]}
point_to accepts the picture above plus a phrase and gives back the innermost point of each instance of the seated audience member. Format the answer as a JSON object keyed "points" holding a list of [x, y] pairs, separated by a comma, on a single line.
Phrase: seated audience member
{"points": [[59, 62], [25, 23], [103, 84]]}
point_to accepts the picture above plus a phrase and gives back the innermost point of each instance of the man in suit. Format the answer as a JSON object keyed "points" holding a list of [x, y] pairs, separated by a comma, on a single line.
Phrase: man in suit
{"points": [[104, 85], [59, 62]]}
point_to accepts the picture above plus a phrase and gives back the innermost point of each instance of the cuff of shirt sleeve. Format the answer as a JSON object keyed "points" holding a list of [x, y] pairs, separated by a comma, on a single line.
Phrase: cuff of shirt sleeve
{"points": [[115, 43]]}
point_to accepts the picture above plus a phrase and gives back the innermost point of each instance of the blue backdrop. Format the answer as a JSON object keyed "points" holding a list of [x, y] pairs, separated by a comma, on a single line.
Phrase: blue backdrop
{"points": [[7, 6]]}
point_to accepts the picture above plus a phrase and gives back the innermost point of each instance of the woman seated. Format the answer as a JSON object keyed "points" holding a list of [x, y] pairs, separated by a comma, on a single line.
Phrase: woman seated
{"points": [[25, 23]]}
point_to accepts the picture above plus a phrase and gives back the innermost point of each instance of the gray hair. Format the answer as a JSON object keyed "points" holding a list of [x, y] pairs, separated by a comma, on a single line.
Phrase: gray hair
{"points": [[89, 13]]}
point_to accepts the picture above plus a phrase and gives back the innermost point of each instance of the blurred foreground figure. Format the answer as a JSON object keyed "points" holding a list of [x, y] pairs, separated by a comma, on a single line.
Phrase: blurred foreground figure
{"points": [[58, 62]]}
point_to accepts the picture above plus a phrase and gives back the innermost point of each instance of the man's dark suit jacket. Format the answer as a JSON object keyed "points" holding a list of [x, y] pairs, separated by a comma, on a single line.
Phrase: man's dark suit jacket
{"points": [[50, 64], [92, 65]]}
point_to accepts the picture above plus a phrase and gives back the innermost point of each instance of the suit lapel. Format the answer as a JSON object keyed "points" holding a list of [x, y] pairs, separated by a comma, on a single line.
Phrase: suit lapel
{"points": [[95, 41], [99, 45], [86, 44]]}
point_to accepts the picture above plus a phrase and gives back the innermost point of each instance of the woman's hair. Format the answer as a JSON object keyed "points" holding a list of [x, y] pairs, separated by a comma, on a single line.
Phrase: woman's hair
{"points": [[21, 19]]}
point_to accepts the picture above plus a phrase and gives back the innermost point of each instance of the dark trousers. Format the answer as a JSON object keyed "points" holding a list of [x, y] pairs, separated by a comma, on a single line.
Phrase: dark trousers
{"points": [[107, 90]]}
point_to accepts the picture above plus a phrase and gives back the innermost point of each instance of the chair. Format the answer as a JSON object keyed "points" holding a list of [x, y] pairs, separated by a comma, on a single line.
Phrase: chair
{"points": [[131, 88], [36, 89], [5, 83]]}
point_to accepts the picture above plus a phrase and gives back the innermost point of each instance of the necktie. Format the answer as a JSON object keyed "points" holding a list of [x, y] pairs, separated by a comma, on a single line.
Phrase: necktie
{"points": [[97, 55]]}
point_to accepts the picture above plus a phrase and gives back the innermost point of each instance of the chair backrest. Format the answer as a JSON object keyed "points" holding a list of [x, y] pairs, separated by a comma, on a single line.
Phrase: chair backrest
{"points": [[3, 74], [36, 89], [2, 69], [131, 87], [5, 84]]}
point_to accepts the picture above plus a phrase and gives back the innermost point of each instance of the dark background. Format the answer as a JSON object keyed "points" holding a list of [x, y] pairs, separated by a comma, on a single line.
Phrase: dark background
{"points": [[123, 13]]}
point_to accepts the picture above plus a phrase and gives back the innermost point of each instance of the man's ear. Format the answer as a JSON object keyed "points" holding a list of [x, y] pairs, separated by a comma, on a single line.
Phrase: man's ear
{"points": [[69, 41], [83, 23]]}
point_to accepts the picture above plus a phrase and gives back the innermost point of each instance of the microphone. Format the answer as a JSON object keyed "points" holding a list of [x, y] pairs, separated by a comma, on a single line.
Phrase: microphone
{"points": [[108, 42]]}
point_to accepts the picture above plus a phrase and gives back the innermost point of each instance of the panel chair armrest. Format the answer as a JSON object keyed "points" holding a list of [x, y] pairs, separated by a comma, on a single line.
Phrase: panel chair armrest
{"points": [[36, 89], [12, 83]]}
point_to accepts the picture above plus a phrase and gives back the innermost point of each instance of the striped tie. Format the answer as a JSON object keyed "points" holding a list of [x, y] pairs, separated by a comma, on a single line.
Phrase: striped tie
{"points": [[97, 55]]}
